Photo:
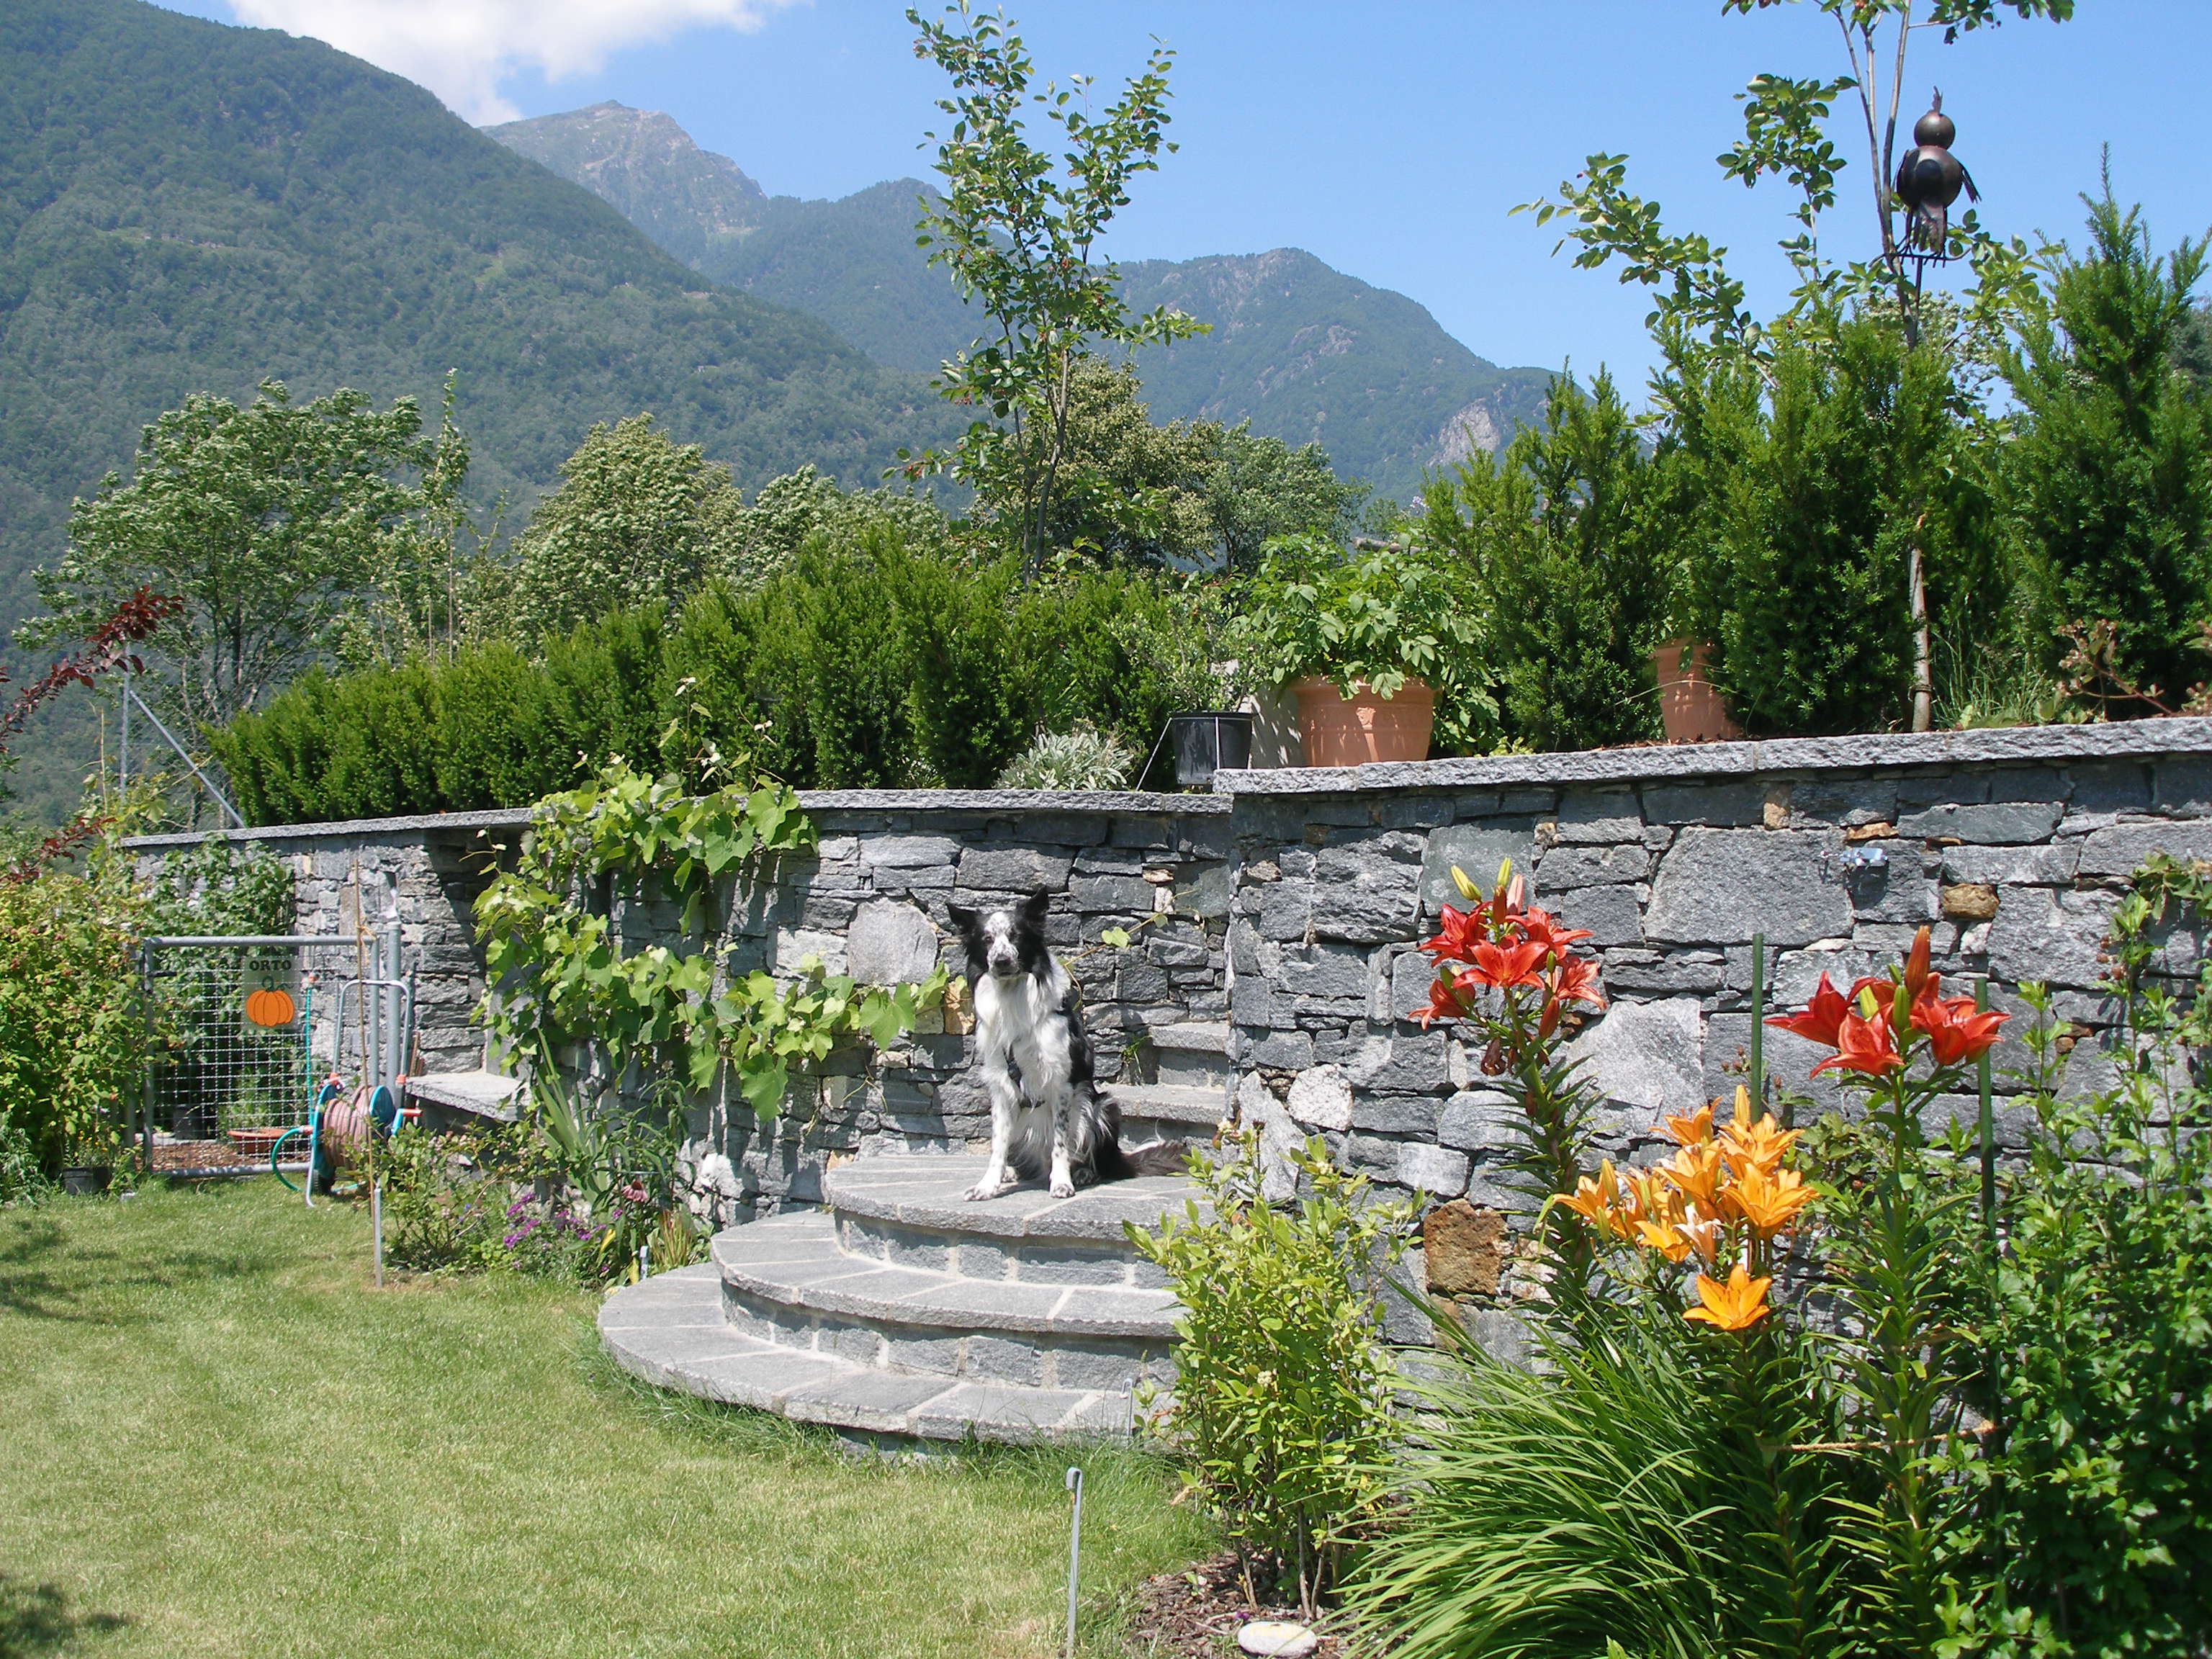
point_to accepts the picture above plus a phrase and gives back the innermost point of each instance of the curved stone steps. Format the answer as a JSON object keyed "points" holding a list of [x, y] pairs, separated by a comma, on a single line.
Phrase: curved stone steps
{"points": [[905, 1308], [669, 1331], [794, 1261]]}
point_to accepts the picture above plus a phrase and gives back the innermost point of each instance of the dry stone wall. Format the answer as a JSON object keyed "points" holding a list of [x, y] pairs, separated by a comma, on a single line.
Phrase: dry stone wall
{"points": [[2012, 846], [1288, 908]]}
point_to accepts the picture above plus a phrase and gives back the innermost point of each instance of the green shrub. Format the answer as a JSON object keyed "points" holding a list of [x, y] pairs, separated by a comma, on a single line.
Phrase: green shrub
{"points": [[864, 664], [1803, 487], [2110, 473], [2100, 1324], [1569, 536], [1283, 1388], [69, 1053]]}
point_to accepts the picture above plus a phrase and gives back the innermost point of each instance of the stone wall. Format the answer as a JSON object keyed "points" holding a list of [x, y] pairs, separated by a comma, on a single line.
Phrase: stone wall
{"points": [[1291, 901], [2013, 846], [871, 900]]}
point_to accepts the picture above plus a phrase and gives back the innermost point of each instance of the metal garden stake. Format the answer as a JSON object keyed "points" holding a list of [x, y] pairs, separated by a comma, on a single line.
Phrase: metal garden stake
{"points": [[1074, 1552], [376, 1225], [1758, 1020], [1988, 1128]]}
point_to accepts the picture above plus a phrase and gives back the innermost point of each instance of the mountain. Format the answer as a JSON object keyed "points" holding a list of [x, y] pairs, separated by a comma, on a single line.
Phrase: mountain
{"points": [[1301, 349], [188, 207]]}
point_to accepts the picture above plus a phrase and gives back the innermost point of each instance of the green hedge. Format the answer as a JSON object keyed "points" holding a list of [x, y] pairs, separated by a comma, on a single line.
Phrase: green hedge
{"points": [[866, 666]]}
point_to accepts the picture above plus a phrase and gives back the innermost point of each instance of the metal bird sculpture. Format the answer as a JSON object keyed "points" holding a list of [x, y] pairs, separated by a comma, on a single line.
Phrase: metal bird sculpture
{"points": [[1928, 180]]}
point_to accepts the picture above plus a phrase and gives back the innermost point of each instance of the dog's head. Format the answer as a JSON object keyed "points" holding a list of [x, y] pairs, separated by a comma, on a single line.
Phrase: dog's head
{"points": [[1004, 944]]}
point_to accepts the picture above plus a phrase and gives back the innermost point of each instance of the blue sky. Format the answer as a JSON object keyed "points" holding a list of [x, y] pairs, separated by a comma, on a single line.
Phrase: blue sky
{"points": [[1389, 139]]}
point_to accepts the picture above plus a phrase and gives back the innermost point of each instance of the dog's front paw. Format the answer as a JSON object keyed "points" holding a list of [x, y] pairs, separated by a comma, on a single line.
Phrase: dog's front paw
{"points": [[1063, 1188], [983, 1189]]}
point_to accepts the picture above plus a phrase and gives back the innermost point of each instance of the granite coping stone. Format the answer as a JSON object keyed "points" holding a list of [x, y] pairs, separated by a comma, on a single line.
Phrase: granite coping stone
{"points": [[2117, 740], [923, 1191], [669, 1331], [795, 1261]]}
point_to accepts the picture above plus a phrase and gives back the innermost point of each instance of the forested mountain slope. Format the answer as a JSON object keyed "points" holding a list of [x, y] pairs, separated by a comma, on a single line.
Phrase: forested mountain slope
{"points": [[187, 207], [1300, 348]]}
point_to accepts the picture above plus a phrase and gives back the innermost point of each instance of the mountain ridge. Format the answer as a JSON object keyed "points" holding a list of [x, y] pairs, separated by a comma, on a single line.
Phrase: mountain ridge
{"points": [[1303, 351], [188, 207]]}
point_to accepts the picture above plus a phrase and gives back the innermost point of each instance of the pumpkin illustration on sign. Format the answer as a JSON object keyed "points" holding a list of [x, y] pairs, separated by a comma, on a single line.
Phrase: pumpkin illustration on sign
{"points": [[269, 977], [269, 1007]]}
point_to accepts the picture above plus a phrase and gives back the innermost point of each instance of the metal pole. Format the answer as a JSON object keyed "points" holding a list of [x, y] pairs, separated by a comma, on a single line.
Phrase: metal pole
{"points": [[376, 1220], [123, 744], [1758, 1020], [206, 782], [1074, 1553], [1988, 1128], [395, 1060]]}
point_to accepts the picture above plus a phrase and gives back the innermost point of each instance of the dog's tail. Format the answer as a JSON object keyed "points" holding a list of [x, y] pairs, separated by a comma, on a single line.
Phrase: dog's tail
{"points": [[1162, 1158]]}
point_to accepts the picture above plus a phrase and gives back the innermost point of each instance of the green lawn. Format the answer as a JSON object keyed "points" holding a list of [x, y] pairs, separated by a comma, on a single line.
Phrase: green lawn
{"points": [[216, 1438]]}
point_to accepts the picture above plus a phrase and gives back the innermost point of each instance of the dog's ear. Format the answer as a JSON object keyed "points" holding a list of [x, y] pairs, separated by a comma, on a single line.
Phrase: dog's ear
{"points": [[1034, 907], [962, 918]]}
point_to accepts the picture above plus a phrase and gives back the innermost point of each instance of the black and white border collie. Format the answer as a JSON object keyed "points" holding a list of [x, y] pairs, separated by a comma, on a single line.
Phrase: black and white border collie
{"points": [[1049, 1115]]}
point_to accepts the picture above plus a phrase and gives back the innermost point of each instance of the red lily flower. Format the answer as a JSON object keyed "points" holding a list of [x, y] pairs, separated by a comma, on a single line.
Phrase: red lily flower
{"points": [[1542, 928], [1505, 965], [1957, 1031], [1458, 932], [1822, 1018], [1574, 979], [1447, 998], [1863, 1045], [1917, 980]]}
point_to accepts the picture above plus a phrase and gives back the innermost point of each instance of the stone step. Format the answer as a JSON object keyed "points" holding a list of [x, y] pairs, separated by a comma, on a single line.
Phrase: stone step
{"points": [[911, 1210], [796, 1261], [786, 1281], [1192, 1056], [669, 1331], [1173, 1108]]}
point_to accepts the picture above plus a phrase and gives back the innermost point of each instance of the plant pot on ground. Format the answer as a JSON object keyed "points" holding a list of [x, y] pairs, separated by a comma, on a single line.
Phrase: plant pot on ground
{"points": [[81, 1180], [1376, 643]]}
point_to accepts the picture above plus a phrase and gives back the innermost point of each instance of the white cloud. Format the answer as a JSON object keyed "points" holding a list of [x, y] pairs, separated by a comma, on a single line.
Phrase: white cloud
{"points": [[462, 50]]}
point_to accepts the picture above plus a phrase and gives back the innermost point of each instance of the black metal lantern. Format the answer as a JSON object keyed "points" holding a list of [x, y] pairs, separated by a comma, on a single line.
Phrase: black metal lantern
{"points": [[1929, 179]]}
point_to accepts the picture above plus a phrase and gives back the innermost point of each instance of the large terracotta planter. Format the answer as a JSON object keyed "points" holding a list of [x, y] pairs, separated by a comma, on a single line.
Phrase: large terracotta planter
{"points": [[1690, 707], [1338, 732]]}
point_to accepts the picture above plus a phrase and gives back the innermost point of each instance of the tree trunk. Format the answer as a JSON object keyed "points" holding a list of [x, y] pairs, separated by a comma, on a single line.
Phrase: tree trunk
{"points": [[1923, 690]]}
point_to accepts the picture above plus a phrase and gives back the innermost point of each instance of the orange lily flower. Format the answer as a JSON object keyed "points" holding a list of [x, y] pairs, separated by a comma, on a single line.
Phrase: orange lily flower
{"points": [[1956, 1030], [1593, 1200], [1695, 1130], [1542, 928], [1761, 1146], [1457, 934], [1863, 1043], [1695, 1172], [1769, 1200], [1575, 980], [1735, 1306]]}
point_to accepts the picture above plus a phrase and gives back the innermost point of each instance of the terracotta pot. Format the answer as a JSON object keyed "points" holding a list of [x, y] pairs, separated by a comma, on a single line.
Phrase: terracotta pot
{"points": [[1366, 728], [1690, 707]]}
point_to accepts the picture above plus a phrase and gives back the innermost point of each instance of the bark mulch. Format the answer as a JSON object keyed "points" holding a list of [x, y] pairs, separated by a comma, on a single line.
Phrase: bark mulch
{"points": [[1196, 1614]]}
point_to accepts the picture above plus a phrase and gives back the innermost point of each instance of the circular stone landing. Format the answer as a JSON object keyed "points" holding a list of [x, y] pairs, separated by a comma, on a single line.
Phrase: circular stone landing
{"points": [[902, 1309]]}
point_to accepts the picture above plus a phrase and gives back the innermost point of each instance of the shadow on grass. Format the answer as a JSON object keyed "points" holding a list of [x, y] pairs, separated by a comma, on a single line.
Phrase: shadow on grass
{"points": [[45, 1271], [38, 1619]]}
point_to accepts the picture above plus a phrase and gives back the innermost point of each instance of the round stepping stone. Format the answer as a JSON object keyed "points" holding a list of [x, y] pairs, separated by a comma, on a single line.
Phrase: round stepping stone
{"points": [[1272, 1638]]}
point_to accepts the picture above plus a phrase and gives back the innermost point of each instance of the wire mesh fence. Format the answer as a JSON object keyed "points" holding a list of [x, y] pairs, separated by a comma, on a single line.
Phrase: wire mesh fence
{"points": [[242, 1034]]}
